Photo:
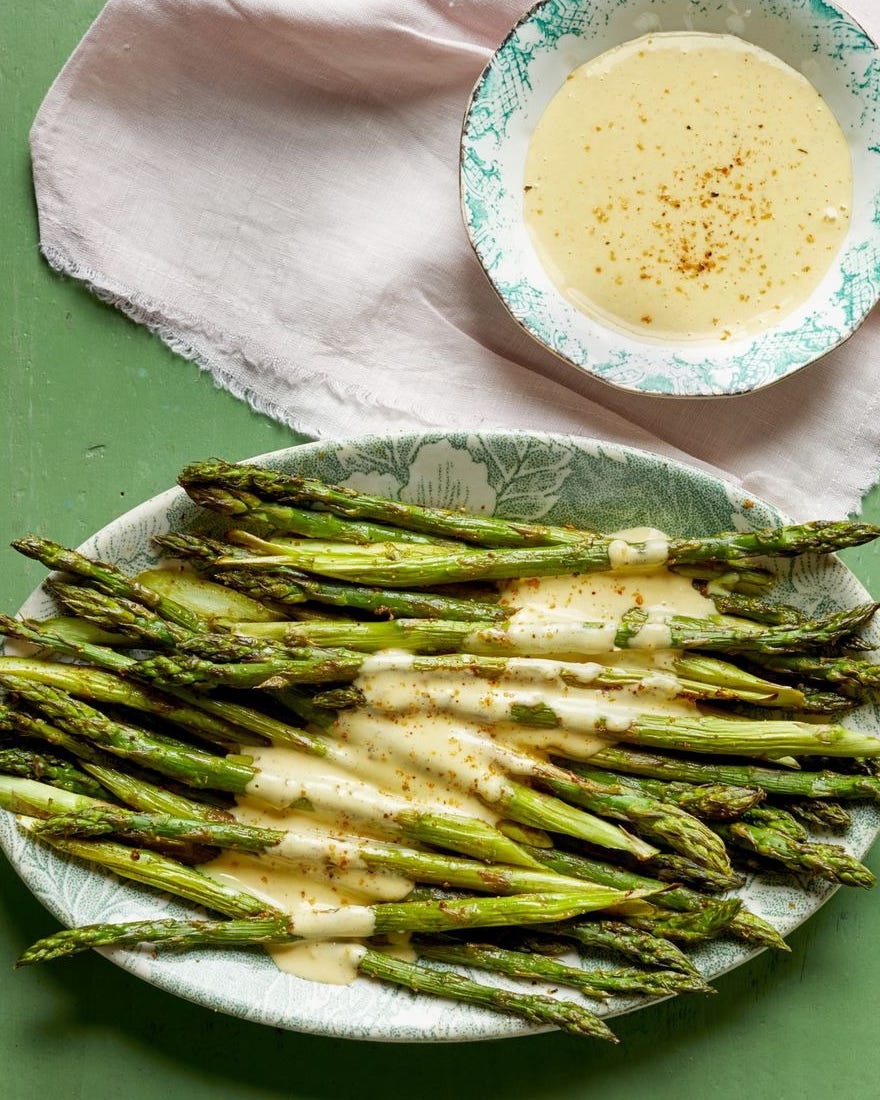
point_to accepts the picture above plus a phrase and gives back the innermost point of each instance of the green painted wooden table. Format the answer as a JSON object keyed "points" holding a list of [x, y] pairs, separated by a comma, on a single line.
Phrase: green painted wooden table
{"points": [[98, 416]]}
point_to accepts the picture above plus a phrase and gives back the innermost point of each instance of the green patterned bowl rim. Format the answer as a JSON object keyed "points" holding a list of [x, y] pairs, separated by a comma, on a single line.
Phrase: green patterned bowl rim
{"points": [[531, 476], [554, 37]]}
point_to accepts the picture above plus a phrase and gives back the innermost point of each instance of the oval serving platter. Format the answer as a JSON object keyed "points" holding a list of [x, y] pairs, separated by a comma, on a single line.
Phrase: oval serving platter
{"points": [[554, 37], [554, 479]]}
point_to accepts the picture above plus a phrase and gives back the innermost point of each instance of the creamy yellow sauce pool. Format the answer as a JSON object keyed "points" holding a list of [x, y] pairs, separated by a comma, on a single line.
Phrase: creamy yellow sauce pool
{"points": [[439, 743], [687, 186]]}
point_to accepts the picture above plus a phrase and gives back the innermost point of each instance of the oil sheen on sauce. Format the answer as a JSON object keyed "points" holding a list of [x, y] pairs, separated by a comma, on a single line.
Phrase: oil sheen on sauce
{"points": [[687, 186], [440, 744]]}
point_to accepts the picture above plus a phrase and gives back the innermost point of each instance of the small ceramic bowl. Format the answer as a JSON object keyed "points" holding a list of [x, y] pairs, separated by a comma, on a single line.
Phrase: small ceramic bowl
{"points": [[556, 36]]}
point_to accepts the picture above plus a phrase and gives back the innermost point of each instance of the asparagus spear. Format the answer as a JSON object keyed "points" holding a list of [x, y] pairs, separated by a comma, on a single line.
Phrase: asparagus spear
{"points": [[661, 822], [776, 819], [287, 587], [288, 519], [820, 814], [799, 784], [509, 639], [817, 537], [20, 795], [532, 1007], [622, 938], [247, 718], [594, 983], [847, 673], [708, 733], [106, 577], [730, 576], [756, 608], [140, 623], [542, 561], [53, 769], [383, 918], [703, 677], [716, 801], [134, 791], [830, 861], [679, 870], [689, 928], [484, 530], [104, 687], [173, 759], [264, 926], [339, 850], [702, 733], [744, 925]]}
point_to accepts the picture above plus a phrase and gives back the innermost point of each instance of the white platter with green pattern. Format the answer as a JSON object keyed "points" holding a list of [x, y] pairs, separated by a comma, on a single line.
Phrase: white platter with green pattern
{"points": [[553, 479], [555, 37]]}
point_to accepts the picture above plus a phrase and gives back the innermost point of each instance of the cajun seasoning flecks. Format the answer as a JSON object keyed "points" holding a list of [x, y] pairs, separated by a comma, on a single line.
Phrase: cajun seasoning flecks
{"points": [[688, 186]]}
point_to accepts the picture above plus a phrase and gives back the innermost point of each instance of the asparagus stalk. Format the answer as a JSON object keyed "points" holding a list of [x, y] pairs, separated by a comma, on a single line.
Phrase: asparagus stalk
{"points": [[246, 718], [847, 673], [52, 769], [756, 608], [508, 639], [830, 861], [705, 734], [288, 519], [342, 851], [798, 784], [484, 530], [652, 818], [816, 537], [534, 1008], [542, 561], [383, 918], [529, 807], [140, 794], [145, 626], [286, 587], [173, 759], [820, 814], [715, 801], [710, 734], [98, 686], [744, 925], [75, 631], [20, 795], [730, 576], [776, 819], [106, 577], [678, 869], [282, 586], [308, 665], [621, 938], [265, 926], [593, 983], [704, 677], [689, 928], [165, 874]]}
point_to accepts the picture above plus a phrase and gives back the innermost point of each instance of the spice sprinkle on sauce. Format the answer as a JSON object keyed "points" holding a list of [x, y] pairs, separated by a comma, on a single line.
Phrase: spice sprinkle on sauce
{"points": [[687, 186]]}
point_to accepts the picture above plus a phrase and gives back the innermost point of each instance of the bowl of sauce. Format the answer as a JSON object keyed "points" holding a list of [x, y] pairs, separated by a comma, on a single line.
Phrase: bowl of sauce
{"points": [[679, 199]]}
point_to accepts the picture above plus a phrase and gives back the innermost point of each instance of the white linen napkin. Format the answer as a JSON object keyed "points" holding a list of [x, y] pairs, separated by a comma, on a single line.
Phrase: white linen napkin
{"points": [[271, 185]]}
